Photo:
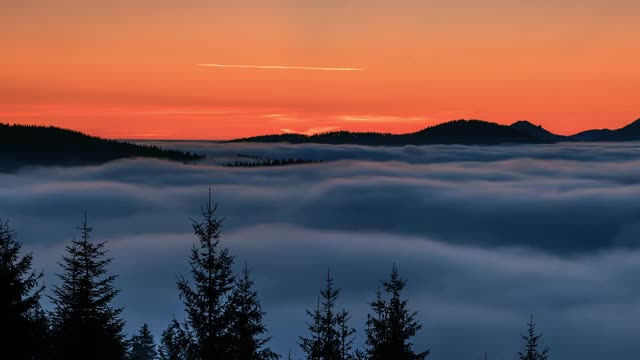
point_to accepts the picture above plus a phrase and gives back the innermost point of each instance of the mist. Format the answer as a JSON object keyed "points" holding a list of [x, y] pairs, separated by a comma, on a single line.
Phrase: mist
{"points": [[485, 236]]}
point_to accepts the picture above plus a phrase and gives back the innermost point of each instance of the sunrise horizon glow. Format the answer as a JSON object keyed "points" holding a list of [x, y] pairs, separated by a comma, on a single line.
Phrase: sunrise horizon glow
{"points": [[116, 70]]}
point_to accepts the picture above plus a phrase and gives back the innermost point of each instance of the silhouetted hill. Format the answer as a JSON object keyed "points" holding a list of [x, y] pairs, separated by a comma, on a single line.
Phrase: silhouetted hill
{"points": [[537, 131], [471, 132], [22, 145], [464, 132], [630, 132], [467, 132]]}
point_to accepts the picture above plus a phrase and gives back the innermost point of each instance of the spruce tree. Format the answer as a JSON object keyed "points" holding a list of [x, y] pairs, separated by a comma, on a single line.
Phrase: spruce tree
{"points": [[23, 325], [40, 334], [377, 324], [330, 333], [85, 325], [247, 328], [142, 346], [531, 340], [345, 335], [207, 301], [313, 345], [330, 336], [175, 343], [392, 325]]}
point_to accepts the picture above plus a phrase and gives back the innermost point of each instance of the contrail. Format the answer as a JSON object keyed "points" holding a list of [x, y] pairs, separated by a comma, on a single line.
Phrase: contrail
{"points": [[282, 67]]}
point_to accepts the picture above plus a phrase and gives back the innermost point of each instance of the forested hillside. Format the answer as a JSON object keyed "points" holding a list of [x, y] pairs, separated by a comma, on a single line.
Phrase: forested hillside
{"points": [[22, 145]]}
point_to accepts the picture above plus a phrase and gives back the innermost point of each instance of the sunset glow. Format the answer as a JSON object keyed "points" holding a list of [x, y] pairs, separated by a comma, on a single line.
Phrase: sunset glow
{"points": [[280, 67], [130, 69]]}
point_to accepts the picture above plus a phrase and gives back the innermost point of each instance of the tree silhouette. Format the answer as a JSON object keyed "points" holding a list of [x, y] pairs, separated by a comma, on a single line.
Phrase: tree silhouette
{"points": [[40, 334], [84, 323], [142, 346], [23, 325], [175, 343], [313, 345], [207, 301], [259, 161], [531, 339], [48, 145], [330, 335], [391, 326], [345, 335], [247, 328]]}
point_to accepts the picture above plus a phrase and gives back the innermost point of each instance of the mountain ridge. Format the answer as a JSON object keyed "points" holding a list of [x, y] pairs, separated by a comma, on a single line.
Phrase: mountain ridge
{"points": [[470, 132], [537, 131], [23, 145], [462, 132], [629, 132]]}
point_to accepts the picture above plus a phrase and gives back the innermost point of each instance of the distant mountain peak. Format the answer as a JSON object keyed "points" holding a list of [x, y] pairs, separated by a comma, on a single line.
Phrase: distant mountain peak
{"points": [[525, 123], [536, 131], [461, 131]]}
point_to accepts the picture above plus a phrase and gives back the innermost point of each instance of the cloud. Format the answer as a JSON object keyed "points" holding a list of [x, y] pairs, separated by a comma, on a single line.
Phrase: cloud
{"points": [[382, 119], [278, 67], [482, 296], [485, 235], [311, 131]]}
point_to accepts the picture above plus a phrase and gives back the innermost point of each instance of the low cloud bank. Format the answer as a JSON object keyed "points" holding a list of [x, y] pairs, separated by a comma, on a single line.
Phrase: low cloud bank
{"points": [[485, 235]]}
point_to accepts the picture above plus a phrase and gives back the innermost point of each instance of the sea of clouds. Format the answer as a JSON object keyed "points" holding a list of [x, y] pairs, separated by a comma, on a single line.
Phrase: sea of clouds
{"points": [[485, 236]]}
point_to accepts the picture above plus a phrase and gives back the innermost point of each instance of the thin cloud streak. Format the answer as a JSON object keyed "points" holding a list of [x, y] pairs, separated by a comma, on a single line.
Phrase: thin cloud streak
{"points": [[312, 131], [281, 67], [382, 119]]}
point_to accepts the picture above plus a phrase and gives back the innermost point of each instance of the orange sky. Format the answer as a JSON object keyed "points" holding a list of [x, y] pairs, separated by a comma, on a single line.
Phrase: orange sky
{"points": [[128, 69]]}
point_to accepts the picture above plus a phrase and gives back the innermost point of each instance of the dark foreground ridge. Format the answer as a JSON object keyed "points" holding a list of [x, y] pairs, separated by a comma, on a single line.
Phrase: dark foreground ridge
{"points": [[463, 132], [22, 145]]}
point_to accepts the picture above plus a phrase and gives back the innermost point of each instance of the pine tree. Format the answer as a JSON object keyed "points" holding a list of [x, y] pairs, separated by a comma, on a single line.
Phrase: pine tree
{"points": [[330, 334], [142, 346], [312, 346], [175, 343], [84, 323], [345, 335], [330, 337], [531, 351], [40, 334], [206, 303], [247, 328], [377, 323], [23, 324], [391, 326]]}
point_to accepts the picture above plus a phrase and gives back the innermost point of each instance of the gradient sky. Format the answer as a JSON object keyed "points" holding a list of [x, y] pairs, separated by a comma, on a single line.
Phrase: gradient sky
{"points": [[129, 69]]}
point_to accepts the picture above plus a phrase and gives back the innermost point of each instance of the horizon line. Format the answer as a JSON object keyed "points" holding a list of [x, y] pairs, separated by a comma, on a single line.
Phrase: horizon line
{"points": [[377, 132], [138, 138]]}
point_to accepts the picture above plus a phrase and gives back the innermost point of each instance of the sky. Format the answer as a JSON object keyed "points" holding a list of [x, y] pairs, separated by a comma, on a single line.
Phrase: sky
{"points": [[132, 69], [485, 236]]}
